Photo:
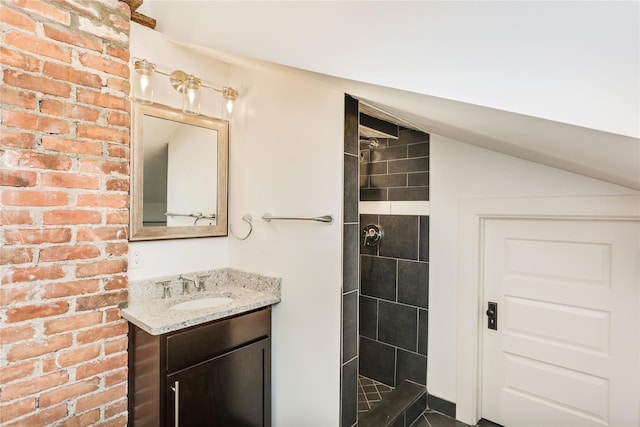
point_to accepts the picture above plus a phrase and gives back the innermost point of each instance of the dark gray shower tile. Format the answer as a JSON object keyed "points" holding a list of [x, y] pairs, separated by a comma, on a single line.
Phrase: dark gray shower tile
{"points": [[378, 277], [349, 393], [418, 179], [364, 181], [364, 221], [424, 238], [365, 155], [423, 331], [349, 326], [378, 168], [395, 180], [416, 409], [351, 125], [412, 367], [420, 164], [408, 194], [398, 325], [377, 361], [373, 195], [368, 317], [398, 152], [418, 150], [410, 136], [413, 283], [351, 257], [351, 188], [400, 236]]}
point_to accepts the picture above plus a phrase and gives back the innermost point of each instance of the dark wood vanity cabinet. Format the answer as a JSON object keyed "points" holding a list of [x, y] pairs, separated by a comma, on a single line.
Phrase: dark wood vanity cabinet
{"points": [[214, 374]]}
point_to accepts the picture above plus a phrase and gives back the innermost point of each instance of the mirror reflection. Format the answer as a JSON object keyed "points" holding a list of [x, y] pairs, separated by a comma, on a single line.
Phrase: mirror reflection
{"points": [[179, 174]]}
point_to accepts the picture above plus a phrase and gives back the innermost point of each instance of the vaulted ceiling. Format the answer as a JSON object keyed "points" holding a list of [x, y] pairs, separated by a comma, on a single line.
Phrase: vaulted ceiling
{"points": [[551, 82]]}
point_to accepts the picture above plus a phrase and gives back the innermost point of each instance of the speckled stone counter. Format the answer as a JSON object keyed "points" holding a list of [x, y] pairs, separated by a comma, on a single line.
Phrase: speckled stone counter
{"points": [[149, 311]]}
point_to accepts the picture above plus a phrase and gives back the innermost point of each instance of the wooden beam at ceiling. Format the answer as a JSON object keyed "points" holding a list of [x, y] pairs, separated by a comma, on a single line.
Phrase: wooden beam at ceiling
{"points": [[139, 17]]}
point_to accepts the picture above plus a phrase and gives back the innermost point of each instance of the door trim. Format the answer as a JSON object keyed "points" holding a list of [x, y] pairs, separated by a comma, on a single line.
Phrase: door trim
{"points": [[471, 222]]}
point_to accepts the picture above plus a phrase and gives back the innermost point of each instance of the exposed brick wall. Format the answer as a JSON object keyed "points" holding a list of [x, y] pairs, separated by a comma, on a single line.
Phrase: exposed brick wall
{"points": [[64, 182]]}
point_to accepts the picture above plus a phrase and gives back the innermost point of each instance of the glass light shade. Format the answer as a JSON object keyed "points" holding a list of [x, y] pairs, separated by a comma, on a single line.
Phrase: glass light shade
{"points": [[191, 95], [143, 81], [230, 95]]}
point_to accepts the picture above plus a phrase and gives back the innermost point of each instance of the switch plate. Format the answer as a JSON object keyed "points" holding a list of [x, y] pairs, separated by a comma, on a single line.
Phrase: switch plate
{"points": [[137, 261]]}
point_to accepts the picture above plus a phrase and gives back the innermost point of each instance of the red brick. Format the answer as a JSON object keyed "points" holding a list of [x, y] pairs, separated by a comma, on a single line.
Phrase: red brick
{"points": [[16, 217], [118, 184], [116, 150], [65, 109], [121, 217], [37, 45], [103, 200], [37, 83], [16, 370], [89, 418], [66, 289], [103, 166], [102, 233], [95, 302], [70, 180], [15, 255], [72, 37], [19, 408], [34, 198], [17, 19], [117, 377], [65, 253], [95, 368], [14, 58], [115, 408], [44, 417], [77, 356], [116, 118], [101, 267], [16, 178], [33, 349], [104, 64], [118, 52], [72, 217], [36, 311], [72, 323], [17, 98], [22, 120], [30, 274], [119, 22], [20, 159], [45, 9], [97, 399], [38, 236], [16, 295], [117, 249], [103, 133], [104, 29], [17, 139], [72, 75], [112, 314], [120, 85], [71, 146], [116, 282], [105, 100], [116, 346], [13, 334], [82, 9]]}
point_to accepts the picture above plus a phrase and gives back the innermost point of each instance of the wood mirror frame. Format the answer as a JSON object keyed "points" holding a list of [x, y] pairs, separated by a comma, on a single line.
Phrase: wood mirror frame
{"points": [[137, 230]]}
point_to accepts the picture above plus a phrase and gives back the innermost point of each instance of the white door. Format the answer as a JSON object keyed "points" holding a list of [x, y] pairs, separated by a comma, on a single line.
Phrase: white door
{"points": [[565, 352]]}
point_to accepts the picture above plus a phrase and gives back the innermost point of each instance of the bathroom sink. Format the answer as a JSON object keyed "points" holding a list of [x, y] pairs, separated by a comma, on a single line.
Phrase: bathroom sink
{"points": [[198, 304]]}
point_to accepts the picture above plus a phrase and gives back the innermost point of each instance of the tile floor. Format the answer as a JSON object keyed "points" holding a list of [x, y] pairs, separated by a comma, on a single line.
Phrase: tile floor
{"points": [[436, 419], [370, 394]]}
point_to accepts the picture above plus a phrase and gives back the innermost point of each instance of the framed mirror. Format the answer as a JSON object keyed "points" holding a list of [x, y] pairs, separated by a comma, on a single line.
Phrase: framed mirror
{"points": [[179, 173]]}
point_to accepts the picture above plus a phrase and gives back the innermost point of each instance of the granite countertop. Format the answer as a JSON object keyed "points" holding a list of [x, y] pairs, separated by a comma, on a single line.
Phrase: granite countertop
{"points": [[148, 310]]}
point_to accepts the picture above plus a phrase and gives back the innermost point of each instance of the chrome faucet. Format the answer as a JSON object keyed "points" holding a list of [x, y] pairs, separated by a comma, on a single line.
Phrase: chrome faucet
{"points": [[166, 288], [185, 284], [201, 282]]}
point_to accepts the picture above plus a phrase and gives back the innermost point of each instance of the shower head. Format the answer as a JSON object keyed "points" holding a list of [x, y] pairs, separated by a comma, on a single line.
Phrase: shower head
{"points": [[371, 142]]}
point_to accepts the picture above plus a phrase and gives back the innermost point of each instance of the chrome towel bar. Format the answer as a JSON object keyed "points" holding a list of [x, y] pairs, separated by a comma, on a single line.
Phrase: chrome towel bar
{"points": [[325, 218]]}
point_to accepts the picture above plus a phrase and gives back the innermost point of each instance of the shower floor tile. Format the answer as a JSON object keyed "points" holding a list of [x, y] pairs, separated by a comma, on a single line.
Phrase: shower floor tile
{"points": [[370, 394]]}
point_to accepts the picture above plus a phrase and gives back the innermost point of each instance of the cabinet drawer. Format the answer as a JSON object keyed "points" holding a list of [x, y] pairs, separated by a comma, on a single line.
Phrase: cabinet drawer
{"points": [[203, 342]]}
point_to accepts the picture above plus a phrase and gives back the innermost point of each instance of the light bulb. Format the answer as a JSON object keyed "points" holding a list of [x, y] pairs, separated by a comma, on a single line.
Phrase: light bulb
{"points": [[142, 87], [191, 98], [230, 95]]}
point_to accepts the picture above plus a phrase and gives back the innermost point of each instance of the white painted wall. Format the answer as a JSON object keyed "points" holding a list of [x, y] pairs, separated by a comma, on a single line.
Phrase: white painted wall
{"points": [[462, 171], [286, 159]]}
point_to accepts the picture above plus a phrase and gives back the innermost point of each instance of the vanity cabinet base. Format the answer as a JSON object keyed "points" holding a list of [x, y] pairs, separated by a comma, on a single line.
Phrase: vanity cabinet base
{"points": [[215, 374]]}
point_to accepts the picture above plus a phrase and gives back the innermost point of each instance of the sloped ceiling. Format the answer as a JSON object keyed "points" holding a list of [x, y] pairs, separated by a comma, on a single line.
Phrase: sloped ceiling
{"points": [[552, 82]]}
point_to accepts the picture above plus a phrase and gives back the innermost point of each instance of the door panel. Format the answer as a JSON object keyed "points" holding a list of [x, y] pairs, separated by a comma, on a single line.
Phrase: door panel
{"points": [[566, 349]]}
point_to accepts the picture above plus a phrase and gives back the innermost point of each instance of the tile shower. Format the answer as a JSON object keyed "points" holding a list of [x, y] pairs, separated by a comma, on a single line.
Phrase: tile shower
{"points": [[385, 288]]}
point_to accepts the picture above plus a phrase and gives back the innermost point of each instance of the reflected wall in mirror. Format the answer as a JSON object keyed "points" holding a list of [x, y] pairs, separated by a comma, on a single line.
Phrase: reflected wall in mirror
{"points": [[179, 174]]}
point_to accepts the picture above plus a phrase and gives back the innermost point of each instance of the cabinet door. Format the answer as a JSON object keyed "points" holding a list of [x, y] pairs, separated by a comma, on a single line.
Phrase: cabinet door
{"points": [[231, 390]]}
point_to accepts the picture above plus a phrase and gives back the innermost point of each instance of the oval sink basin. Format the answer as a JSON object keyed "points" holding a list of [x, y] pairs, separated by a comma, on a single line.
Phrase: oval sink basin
{"points": [[198, 304]]}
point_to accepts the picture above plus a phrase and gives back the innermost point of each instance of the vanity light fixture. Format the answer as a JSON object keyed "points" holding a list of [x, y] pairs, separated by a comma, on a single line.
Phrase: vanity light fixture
{"points": [[186, 84]]}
